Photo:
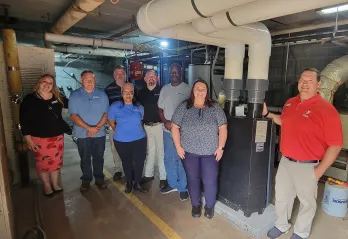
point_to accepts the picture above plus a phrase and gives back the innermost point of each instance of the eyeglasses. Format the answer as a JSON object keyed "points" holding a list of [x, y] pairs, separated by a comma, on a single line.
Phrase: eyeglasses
{"points": [[128, 92]]}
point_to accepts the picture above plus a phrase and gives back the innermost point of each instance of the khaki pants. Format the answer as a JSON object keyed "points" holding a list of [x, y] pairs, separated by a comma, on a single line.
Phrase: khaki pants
{"points": [[155, 151], [116, 157], [296, 179]]}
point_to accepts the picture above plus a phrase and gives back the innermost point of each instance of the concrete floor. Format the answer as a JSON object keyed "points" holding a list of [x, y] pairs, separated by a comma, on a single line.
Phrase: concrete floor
{"points": [[104, 214]]}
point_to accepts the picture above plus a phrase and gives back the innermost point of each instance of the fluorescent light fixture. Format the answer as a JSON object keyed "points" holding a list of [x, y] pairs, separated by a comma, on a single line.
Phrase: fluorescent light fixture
{"points": [[164, 43], [330, 10]]}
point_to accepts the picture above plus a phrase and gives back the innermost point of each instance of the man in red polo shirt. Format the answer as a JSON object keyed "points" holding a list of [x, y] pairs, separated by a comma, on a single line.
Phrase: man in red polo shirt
{"points": [[311, 139]]}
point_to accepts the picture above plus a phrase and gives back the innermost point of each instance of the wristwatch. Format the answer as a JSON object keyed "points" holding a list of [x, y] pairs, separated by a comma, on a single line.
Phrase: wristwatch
{"points": [[222, 148]]}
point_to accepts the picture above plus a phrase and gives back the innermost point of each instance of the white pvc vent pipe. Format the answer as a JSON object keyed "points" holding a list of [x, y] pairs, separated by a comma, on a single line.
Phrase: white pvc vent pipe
{"points": [[234, 59], [186, 32], [261, 10], [159, 14], [256, 35]]}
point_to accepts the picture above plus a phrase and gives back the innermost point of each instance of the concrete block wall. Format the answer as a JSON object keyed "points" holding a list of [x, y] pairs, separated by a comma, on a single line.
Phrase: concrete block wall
{"points": [[300, 57], [101, 66]]}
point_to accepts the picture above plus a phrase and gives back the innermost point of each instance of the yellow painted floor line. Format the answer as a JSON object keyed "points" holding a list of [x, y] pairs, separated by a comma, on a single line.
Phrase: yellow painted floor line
{"points": [[158, 222]]}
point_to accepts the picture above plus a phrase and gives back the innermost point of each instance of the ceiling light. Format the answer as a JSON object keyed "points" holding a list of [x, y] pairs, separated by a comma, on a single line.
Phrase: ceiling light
{"points": [[330, 10], [164, 43]]}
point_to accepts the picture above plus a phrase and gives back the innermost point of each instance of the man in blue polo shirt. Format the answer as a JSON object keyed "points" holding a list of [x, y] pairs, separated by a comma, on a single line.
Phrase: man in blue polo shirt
{"points": [[88, 109]]}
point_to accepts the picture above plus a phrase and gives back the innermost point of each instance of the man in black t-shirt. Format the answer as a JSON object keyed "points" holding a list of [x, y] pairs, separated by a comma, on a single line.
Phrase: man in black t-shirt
{"points": [[148, 97]]}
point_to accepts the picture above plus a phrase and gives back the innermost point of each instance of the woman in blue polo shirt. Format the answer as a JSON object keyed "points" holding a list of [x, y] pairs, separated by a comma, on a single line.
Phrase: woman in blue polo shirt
{"points": [[125, 117]]}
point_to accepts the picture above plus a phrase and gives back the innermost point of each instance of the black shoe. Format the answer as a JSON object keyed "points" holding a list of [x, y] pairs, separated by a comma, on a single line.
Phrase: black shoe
{"points": [[209, 212], [140, 188], [49, 195], [101, 184], [196, 211], [84, 187], [117, 176], [146, 180], [167, 190], [163, 184], [184, 196], [58, 190], [129, 187]]}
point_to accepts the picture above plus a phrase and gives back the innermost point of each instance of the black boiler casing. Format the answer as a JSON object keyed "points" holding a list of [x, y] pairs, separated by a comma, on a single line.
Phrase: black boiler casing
{"points": [[246, 168]]}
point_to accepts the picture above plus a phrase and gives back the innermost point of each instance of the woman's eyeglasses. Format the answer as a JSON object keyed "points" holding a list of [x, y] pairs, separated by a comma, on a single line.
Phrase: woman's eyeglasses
{"points": [[128, 93]]}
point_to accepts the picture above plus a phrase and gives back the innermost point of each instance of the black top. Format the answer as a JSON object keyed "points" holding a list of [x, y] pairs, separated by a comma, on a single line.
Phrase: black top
{"points": [[149, 100], [36, 119], [113, 91]]}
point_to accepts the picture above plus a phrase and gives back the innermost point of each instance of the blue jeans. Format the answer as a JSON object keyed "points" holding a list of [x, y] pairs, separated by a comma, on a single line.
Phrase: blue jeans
{"points": [[91, 149], [176, 175]]}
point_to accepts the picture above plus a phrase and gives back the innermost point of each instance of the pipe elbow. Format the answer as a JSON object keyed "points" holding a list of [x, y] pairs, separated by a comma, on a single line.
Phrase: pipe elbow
{"points": [[143, 21]]}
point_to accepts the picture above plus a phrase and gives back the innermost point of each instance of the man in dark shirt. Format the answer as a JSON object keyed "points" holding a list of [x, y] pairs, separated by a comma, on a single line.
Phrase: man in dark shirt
{"points": [[148, 97], [113, 91]]}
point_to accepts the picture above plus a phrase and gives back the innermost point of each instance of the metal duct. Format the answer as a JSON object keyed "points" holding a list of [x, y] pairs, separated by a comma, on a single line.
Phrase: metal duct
{"points": [[78, 10], [333, 75]]}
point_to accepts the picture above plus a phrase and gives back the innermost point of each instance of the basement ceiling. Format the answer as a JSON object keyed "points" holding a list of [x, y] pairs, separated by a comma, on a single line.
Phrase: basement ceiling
{"points": [[109, 18]]}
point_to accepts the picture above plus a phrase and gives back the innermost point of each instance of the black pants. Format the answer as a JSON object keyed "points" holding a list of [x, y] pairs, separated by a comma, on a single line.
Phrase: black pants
{"points": [[133, 155], [91, 148]]}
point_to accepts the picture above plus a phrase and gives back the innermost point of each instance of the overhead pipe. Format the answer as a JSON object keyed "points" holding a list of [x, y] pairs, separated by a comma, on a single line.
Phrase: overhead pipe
{"points": [[50, 37], [250, 12], [310, 27], [160, 14], [186, 32], [333, 75], [94, 42], [89, 51], [77, 10]]}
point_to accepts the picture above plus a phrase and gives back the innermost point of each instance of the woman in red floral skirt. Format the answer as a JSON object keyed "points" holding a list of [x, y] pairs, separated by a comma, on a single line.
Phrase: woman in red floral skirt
{"points": [[43, 129]]}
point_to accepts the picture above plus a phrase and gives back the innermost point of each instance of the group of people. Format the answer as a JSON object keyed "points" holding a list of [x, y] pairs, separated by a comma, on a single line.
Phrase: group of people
{"points": [[177, 127], [185, 132]]}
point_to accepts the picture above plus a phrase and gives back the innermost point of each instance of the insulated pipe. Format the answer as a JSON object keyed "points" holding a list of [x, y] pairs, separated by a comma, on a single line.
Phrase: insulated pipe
{"points": [[160, 14], [88, 41], [186, 32], [13, 72], [310, 27], [78, 10], [233, 82], [257, 36], [250, 12], [333, 75], [89, 51]]}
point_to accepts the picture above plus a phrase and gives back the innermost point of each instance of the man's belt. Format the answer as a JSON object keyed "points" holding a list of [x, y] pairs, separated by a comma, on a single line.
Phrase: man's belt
{"points": [[151, 123], [302, 161]]}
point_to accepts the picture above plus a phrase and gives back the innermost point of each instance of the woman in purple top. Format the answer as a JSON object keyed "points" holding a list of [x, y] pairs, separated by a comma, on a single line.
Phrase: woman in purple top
{"points": [[199, 129]]}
